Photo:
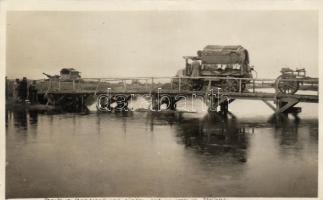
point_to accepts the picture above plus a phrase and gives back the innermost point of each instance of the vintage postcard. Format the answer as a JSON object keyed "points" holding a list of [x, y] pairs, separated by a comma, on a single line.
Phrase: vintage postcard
{"points": [[156, 99]]}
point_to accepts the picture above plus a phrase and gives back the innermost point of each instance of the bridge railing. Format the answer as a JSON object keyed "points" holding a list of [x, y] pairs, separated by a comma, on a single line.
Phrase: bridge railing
{"points": [[149, 84]]}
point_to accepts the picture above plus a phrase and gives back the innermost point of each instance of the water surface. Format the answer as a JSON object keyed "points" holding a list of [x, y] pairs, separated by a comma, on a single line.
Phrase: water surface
{"points": [[159, 154]]}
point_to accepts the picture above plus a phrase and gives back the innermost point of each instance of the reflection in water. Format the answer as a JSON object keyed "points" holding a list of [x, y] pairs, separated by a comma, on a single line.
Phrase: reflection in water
{"points": [[218, 134], [6, 117], [33, 117], [168, 153], [170, 118], [20, 119], [122, 116], [215, 135]]}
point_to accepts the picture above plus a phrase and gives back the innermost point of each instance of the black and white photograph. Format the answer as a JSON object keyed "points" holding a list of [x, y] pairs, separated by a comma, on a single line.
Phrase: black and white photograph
{"points": [[159, 102]]}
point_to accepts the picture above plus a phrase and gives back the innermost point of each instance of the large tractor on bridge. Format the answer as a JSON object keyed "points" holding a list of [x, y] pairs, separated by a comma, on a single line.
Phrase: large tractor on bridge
{"points": [[223, 62]]}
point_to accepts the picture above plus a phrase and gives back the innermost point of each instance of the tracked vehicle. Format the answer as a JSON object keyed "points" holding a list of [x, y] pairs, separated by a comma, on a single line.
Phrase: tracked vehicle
{"points": [[66, 74]]}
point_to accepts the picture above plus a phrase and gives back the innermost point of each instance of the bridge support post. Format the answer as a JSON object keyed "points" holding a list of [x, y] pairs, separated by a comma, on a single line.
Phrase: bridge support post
{"points": [[172, 103], [286, 105], [269, 105], [224, 107], [213, 104], [223, 102], [155, 104], [50, 100]]}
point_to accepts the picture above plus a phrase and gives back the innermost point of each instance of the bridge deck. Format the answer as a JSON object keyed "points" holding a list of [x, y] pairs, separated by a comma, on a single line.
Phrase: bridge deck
{"points": [[159, 86], [233, 95], [61, 91]]}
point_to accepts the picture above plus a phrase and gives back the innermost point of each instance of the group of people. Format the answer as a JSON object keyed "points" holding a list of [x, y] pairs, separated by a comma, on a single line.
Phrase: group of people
{"points": [[23, 93]]}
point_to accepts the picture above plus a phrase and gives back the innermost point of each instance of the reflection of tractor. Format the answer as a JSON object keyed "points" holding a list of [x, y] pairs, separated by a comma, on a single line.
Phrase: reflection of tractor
{"points": [[288, 82], [225, 62], [215, 135]]}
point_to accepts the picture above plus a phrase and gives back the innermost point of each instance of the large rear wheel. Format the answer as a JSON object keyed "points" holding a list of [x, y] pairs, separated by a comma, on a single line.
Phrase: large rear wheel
{"points": [[230, 85], [285, 86], [197, 84]]}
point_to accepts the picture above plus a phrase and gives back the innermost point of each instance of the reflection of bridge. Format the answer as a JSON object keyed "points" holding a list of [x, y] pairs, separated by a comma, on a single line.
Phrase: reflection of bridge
{"points": [[163, 90]]}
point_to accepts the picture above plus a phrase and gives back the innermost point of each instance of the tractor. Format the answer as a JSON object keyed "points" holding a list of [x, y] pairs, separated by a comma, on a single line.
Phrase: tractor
{"points": [[216, 66]]}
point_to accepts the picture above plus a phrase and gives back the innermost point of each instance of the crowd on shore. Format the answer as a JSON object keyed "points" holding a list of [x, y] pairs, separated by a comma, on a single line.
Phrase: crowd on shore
{"points": [[21, 91]]}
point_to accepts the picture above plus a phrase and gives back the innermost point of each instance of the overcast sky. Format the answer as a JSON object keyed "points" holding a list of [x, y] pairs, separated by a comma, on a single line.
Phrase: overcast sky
{"points": [[152, 43]]}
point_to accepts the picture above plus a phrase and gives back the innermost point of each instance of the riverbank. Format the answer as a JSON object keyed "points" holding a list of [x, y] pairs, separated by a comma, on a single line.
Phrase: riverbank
{"points": [[11, 104]]}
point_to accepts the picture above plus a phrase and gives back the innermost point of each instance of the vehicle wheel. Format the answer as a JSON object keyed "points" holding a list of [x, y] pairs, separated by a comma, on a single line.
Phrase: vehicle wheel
{"points": [[230, 85], [286, 86], [186, 84], [197, 85]]}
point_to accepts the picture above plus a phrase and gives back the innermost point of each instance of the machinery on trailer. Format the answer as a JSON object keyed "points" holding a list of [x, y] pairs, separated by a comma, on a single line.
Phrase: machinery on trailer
{"points": [[224, 62], [290, 80]]}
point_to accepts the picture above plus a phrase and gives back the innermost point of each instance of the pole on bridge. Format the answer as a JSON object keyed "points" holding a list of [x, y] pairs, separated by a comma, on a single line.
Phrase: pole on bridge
{"points": [[97, 87], [179, 84], [253, 86], [158, 98], [73, 84], [240, 85], [82, 103]]}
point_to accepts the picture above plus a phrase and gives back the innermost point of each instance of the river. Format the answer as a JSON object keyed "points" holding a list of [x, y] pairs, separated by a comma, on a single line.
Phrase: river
{"points": [[162, 154]]}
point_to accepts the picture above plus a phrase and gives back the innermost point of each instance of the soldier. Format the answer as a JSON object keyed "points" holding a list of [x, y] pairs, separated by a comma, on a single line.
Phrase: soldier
{"points": [[7, 88], [32, 93], [15, 91], [23, 89], [196, 68]]}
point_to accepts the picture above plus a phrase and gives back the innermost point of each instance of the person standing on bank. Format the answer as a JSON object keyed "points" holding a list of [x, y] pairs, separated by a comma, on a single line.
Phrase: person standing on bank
{"points": [[196, 69], [6, 87], [32, 90], [15, 91], [23, 89]]}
